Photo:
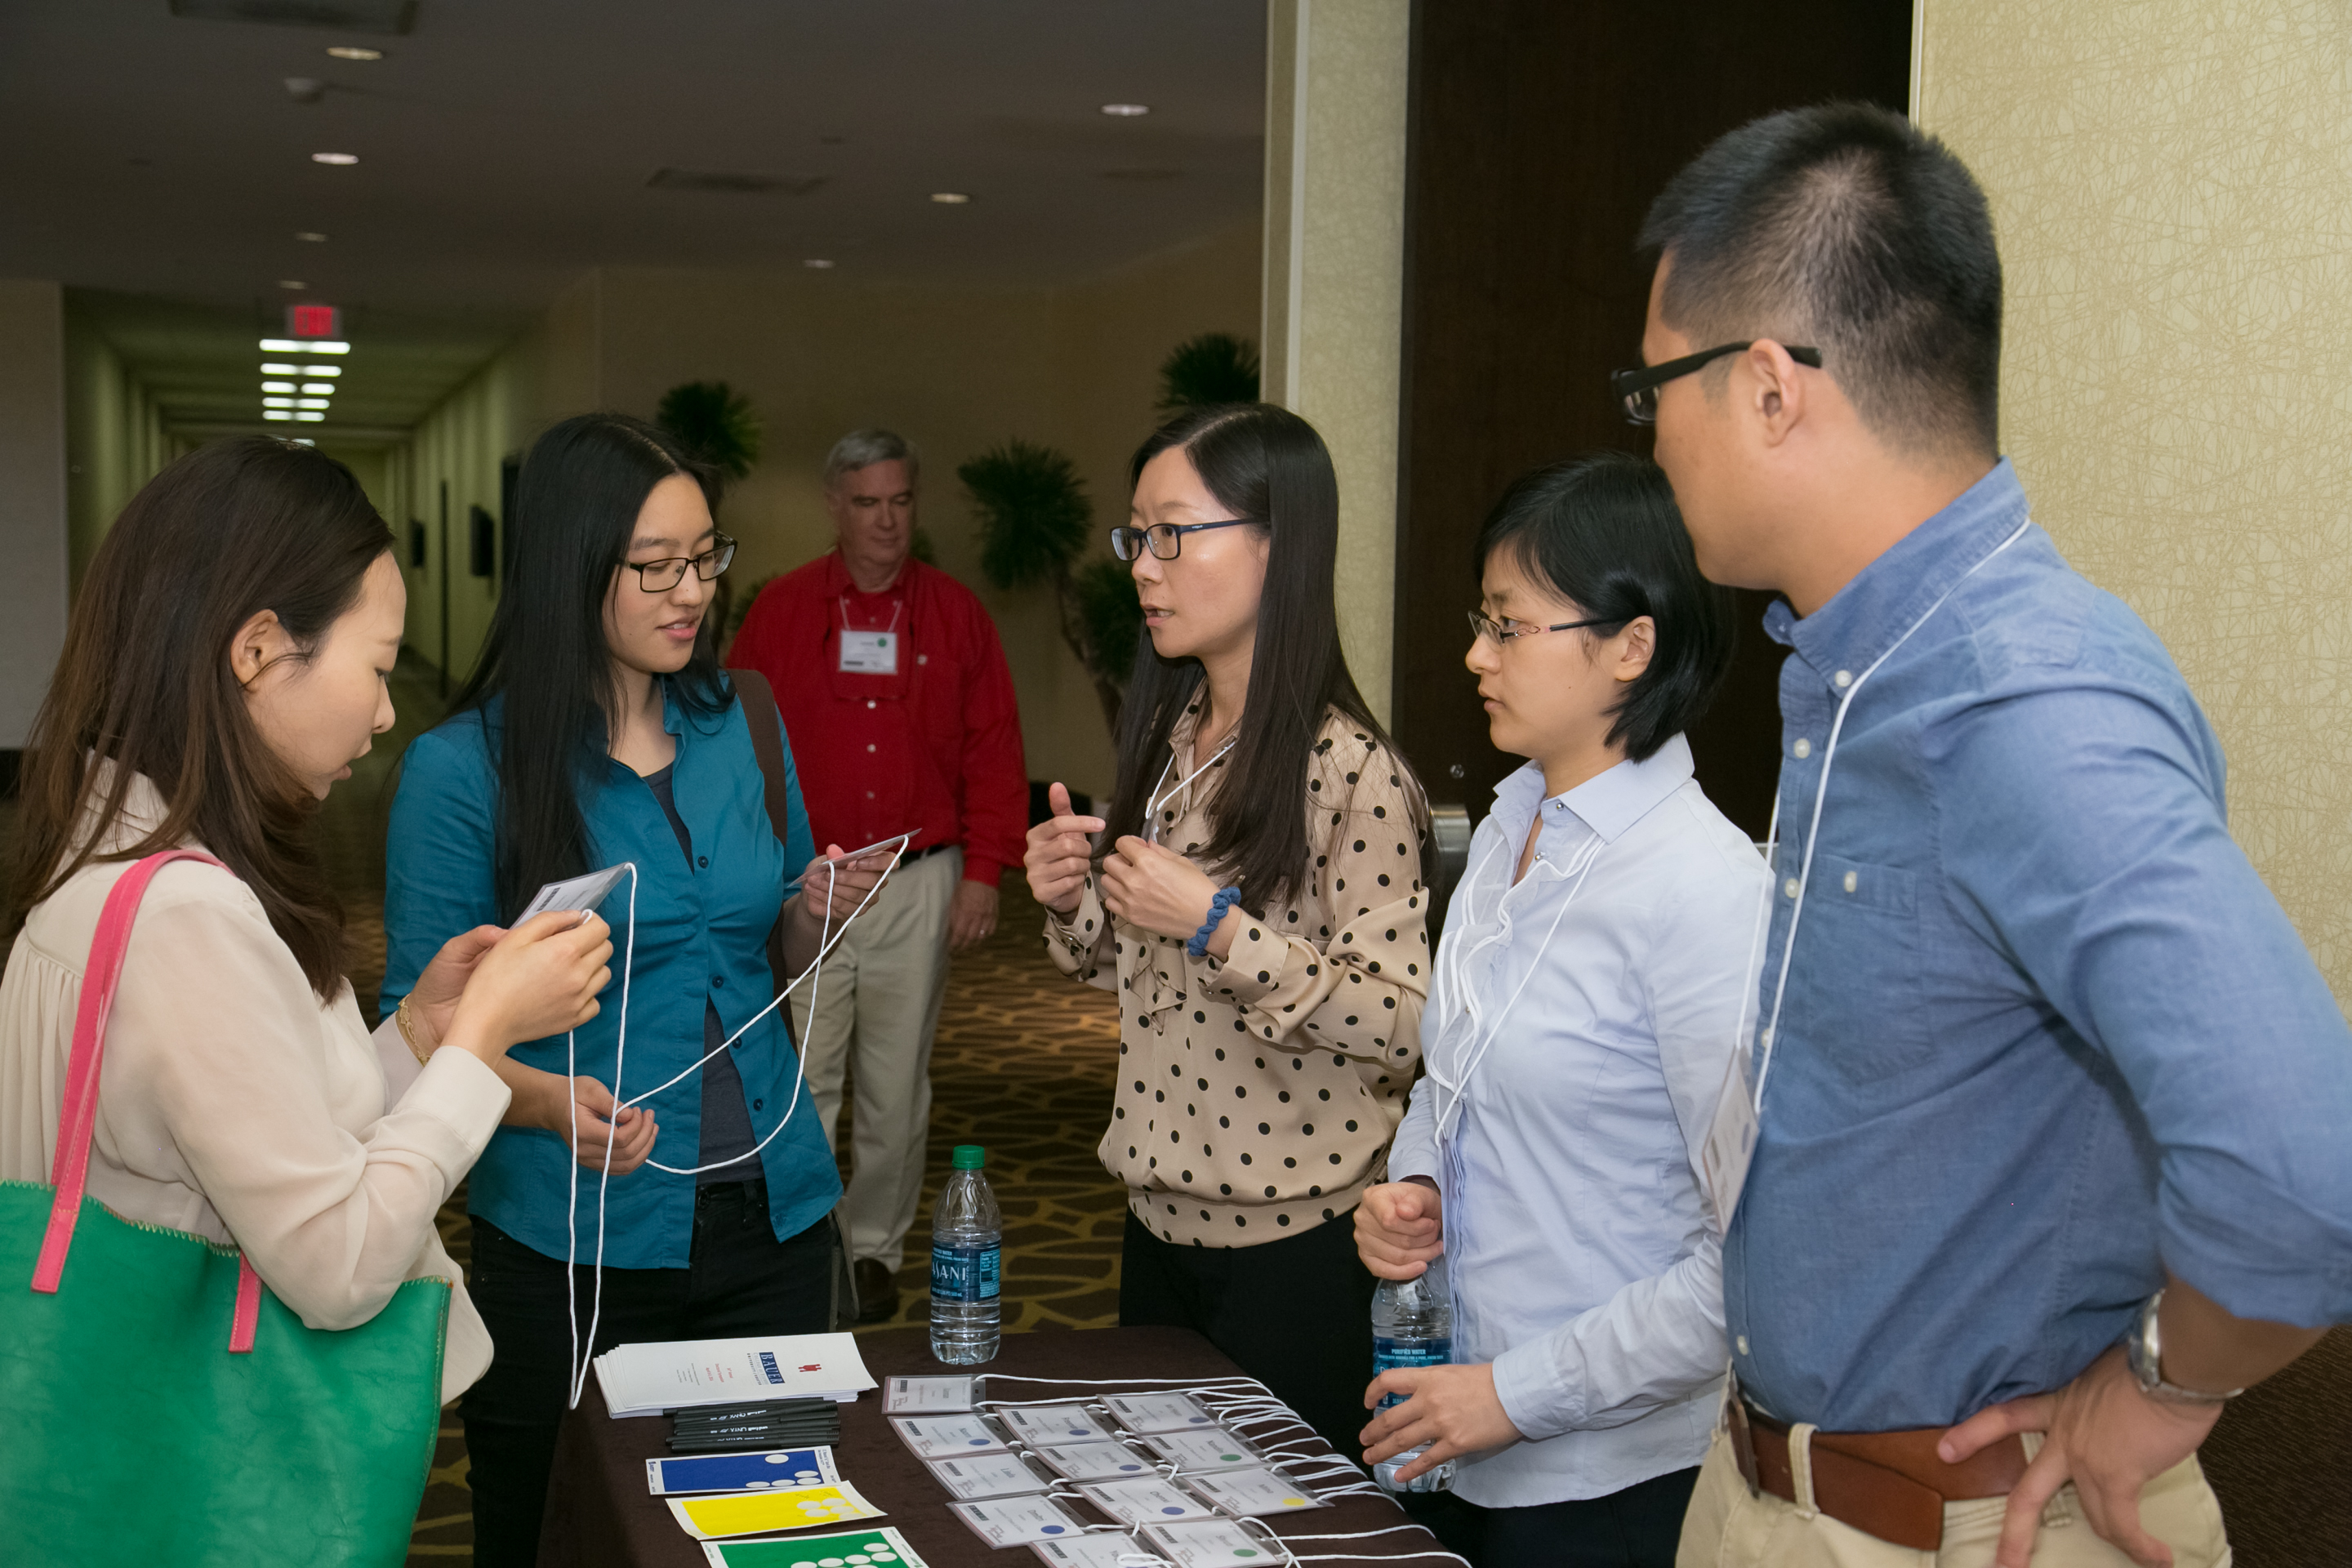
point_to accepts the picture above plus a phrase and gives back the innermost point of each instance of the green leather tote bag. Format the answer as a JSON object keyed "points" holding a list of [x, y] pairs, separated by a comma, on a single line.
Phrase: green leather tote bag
{"points": [[157, 1404]]}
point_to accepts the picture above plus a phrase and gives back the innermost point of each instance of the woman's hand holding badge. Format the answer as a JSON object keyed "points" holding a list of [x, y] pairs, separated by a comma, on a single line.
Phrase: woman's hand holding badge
{"points": [[1151, 885], [538, 979], [1061, 853]]}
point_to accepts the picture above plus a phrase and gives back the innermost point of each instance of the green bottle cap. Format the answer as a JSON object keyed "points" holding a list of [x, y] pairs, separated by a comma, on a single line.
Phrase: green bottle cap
{"points": [[970, 1157]]}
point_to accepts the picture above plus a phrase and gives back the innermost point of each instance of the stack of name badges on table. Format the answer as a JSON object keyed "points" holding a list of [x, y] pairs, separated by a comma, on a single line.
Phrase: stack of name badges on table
{"points": [[1183, 1487]]}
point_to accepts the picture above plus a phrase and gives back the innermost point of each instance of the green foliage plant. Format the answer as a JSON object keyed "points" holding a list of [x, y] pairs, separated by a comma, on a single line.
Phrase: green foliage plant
{"points": [[1215, 367], [1034, 521], [714, 422]]}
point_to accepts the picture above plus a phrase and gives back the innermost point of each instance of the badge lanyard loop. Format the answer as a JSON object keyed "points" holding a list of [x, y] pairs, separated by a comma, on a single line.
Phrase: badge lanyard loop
{"points": [[1821, 795]]}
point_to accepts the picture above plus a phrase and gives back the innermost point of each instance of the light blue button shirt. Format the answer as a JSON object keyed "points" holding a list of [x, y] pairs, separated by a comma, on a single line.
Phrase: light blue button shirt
{"points": [[1586, 1018]]}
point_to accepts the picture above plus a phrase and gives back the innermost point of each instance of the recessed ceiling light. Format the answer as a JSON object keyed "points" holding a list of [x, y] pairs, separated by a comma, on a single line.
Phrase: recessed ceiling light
{"points": [[317, 370], [307, 237], [319, 389], [354, 52], [1126, 111], [950, 198], [292, 283], [818, 263], [286, 386], [301, 346], [336, 158]]}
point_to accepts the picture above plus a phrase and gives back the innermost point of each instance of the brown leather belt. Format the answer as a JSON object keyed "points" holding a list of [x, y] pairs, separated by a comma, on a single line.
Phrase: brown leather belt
{"points": [[1890, 1485]]}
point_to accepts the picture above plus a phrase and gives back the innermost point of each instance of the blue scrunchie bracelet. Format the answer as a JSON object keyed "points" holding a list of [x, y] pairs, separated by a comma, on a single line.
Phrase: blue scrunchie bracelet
{"points": [[1199, 946]]}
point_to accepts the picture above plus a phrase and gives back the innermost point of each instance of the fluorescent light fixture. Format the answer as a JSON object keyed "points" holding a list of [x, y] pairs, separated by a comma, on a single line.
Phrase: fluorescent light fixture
{"points": [[1126, 111], [282, 370], [278, 414], [317, 370], [286, 386], [318, 389], [338, 158], [818, 264], [310, 418], [292, 346], [301, 440], [354, 52], [950, 198], [310, 236], [277, 403], [309, 402], [292, 283]]}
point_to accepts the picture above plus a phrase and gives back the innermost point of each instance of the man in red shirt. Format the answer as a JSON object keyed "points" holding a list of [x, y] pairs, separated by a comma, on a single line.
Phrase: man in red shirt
{"points": [[900, 709]]}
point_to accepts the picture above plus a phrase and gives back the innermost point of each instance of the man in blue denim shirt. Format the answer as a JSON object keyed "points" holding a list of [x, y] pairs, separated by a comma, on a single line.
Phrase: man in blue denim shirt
{"points": [[2052, 1101]]}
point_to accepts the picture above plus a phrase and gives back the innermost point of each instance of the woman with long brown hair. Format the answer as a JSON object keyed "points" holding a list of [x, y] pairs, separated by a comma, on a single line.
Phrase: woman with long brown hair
{"points": [[225, 665]]}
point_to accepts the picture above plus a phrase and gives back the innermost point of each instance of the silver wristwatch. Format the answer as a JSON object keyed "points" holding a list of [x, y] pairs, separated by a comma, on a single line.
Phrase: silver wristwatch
{"points": [[2143, 1349]]}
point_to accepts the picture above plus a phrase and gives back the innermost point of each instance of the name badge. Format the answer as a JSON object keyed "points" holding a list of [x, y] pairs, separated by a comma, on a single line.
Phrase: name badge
{"points": [[869, 653], [1731, 1144]]}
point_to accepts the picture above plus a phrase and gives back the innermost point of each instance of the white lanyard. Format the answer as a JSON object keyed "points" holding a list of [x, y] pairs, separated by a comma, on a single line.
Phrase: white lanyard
{"points": [[1154, 801], [1482, 1034], [896, 605], [1821, 795]]}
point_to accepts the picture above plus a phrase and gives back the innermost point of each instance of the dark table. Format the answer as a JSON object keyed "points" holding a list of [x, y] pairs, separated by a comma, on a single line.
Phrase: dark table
{"points": [[599, 1514]]}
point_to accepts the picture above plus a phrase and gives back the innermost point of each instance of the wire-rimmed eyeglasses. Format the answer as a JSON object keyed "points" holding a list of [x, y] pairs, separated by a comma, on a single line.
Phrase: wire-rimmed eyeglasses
{"points": [[1164, 538], [661, 576], [1483, 624], [1638, 389]]}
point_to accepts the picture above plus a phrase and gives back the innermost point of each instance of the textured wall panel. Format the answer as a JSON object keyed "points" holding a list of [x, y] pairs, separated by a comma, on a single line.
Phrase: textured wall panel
{"points": [[2172, 183]]}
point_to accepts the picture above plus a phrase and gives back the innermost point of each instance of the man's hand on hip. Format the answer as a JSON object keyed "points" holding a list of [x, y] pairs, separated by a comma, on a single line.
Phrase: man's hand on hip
{"points": [[2104, 1434], [972, 916]]}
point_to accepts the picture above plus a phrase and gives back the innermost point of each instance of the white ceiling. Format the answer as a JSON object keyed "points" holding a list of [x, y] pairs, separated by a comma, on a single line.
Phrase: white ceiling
{"points": [[158, 166]]}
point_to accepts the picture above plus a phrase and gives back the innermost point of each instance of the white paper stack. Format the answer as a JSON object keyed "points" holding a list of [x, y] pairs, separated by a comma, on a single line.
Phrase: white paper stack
{"points": [[648, 1379]]}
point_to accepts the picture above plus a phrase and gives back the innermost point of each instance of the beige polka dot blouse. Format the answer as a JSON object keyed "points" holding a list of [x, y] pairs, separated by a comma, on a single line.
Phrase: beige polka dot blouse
{"points": [[1258, 1096]]}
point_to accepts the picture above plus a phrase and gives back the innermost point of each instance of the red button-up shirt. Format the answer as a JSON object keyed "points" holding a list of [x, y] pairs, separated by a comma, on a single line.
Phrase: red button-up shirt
{"points": [[934, 747]]}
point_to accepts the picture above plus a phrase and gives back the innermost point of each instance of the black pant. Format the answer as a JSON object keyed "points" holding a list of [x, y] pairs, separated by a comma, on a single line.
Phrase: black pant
{"points": [[740, 1280], [1295, 1314], [1637, 1528]]}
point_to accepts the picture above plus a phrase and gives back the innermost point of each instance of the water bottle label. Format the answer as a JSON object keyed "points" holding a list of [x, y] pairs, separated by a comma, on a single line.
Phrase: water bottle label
{"points": [[964, 1273], [1388, 1354]]}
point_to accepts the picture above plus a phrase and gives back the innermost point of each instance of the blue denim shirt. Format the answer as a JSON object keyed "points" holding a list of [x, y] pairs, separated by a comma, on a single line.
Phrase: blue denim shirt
{"points": [[2046, 1032], [700, 933]]}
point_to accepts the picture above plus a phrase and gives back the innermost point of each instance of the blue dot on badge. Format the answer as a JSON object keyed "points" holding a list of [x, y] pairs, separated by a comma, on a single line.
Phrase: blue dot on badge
{"points": [[1171, 1509], [1052, 1528]]}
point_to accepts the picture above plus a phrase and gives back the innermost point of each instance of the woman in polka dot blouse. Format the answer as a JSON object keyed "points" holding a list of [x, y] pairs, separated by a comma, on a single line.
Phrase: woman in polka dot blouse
{"points": [[1259, 911]]}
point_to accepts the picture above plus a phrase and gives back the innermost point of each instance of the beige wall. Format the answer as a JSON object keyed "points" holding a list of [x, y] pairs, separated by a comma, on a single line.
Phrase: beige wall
{"points": [[115, 440], [1336, 81], [2172, 184], [32, 498], [819, 354]]}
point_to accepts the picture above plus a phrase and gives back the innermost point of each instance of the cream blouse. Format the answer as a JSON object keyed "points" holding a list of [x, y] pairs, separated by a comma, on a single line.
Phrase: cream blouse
{"points": [[1257, 1095], [234, 1105]]}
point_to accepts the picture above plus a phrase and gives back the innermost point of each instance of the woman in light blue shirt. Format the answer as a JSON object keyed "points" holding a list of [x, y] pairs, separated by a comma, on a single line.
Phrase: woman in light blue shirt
{"points": [[1582, 1020], [599, 729]]}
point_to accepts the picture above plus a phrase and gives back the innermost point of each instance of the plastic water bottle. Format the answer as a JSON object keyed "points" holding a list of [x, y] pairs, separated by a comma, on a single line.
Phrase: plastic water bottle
{"points": [[1412, 1325], [967, 1243]]}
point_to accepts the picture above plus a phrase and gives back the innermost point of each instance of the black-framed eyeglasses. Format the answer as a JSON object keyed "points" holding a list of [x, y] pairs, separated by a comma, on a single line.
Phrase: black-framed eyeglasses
{"points": [[1165, 539], [661, 576], [1485, 625], [1638, 389]]}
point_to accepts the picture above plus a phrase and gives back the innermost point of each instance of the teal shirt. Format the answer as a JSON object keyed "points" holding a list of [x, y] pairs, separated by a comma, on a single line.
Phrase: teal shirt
{"points": [[701, 932]]}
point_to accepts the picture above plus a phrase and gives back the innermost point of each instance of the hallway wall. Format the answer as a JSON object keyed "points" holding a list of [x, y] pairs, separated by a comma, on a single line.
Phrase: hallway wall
{"points": [[33, 505], [2169, 184], [115, 440], [955, 370]]}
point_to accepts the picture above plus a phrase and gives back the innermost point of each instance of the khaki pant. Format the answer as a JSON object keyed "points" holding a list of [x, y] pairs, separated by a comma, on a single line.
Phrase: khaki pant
{"points": [[877, 1008], [1731, 1527]]}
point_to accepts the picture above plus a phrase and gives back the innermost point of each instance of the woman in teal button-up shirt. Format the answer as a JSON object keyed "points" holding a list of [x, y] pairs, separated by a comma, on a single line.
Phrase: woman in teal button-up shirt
{"points": [[599, 730]]}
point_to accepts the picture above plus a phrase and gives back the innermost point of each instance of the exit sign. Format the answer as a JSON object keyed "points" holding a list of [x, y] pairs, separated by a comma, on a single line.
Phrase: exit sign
{"points": [[313, 322]]}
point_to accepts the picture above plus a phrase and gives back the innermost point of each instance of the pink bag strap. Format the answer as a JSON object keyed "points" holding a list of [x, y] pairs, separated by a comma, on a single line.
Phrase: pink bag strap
{"points": [[77, 1120]]}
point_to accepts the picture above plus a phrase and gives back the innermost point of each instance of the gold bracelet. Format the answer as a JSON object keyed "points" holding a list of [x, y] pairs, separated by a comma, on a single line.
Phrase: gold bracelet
{"points": [[400, 1017]]}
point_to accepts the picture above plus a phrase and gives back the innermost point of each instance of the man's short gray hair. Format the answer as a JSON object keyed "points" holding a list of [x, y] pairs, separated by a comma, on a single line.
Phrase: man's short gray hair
{"points": [[862, 448]]}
